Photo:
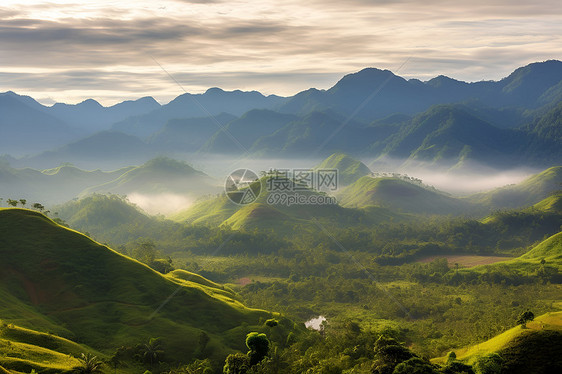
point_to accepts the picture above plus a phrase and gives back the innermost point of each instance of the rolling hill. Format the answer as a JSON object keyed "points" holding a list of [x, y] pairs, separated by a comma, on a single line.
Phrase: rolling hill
{"points": [[349, 169], [157, 176], [55, 279], [531, 191], [401, 196], [535, 349], [51, 186], [271, 212], [544, 259]]}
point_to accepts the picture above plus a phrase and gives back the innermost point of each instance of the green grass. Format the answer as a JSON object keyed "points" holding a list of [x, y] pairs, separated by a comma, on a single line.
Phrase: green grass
{"points": [[266, 214], [531, 191], [349, 169], [552, 204], [56, 279], [548, 321], [550, 250], [24, 349], [399, 196]]}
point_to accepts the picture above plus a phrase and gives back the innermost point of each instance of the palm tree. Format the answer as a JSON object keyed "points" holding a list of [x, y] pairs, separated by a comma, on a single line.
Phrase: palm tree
{"points": [[90, 364], [151, 352]]}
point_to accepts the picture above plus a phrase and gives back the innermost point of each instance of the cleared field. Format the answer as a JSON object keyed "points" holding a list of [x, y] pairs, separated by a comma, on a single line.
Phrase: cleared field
{"points": [[466, 261]]}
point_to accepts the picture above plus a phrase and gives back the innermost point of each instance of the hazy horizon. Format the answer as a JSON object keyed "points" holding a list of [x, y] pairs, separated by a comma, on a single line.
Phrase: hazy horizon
{"points": [[63, 51]]}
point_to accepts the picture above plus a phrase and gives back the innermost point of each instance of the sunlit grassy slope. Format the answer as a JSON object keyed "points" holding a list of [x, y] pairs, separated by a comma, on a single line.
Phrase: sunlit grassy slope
{"points": [[552, 204], [159, 175], [550, 250], [53, 279], [399, 195], [531, 191], [547, 327], [267, 213], [349, 169], [25, 350]]}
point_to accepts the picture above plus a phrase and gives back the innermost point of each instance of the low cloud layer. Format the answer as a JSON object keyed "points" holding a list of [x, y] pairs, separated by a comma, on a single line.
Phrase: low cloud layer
{"points": [[68, 51]]}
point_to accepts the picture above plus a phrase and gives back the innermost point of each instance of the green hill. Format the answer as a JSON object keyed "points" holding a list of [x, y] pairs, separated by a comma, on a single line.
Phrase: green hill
{"points": [[159, 175], [111, 218], [552, 204], [549, 250], [534, 349], [51, 186], [531, 191], [349, 169], [53, 279], [211, 211], [544, 260], [267, 212], [401, 196]]}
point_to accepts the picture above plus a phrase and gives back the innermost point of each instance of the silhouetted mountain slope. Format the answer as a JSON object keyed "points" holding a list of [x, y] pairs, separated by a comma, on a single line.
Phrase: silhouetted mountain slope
{"points": [[98, 150], [245, 131], [93, 117], [372, 93], [25, 128], [211, 103], [451, 134], [189, 134]]}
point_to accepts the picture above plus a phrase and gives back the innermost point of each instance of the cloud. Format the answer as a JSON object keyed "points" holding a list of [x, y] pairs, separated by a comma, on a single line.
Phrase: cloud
{"points": [[237, 44]]}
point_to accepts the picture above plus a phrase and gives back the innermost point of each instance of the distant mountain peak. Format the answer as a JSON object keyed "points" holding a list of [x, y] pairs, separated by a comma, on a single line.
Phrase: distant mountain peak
{"points": [[214, 90]]}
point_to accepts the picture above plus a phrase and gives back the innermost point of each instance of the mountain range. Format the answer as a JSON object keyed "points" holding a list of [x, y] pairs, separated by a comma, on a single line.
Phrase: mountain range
{"points": [[372, 113]]}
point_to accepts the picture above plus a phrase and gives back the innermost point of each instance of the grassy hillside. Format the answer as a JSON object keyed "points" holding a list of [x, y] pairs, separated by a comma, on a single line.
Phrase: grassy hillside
{"points": [[268, 212], [349, 169], [61, 280], [544, 260], [529, 192], [113, 218], [534, 349], [25, 350], [399, 195], [159, 175], [51, 186], [552, 204]]}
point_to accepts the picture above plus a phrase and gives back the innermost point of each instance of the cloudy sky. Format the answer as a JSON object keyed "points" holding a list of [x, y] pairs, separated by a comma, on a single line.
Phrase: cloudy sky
{"points": [[70, 50]]}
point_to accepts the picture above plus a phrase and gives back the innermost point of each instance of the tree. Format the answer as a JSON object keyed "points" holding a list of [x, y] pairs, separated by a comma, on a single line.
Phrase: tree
{"points": [[151, 352], [414, 365], [524, 318], [12, 202], [388, 354], [199, 367], [38, 207], [271, 322], [258, 344], [23, 202], [89, 364], [489, 364], [145, 251], [237, 363]]}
